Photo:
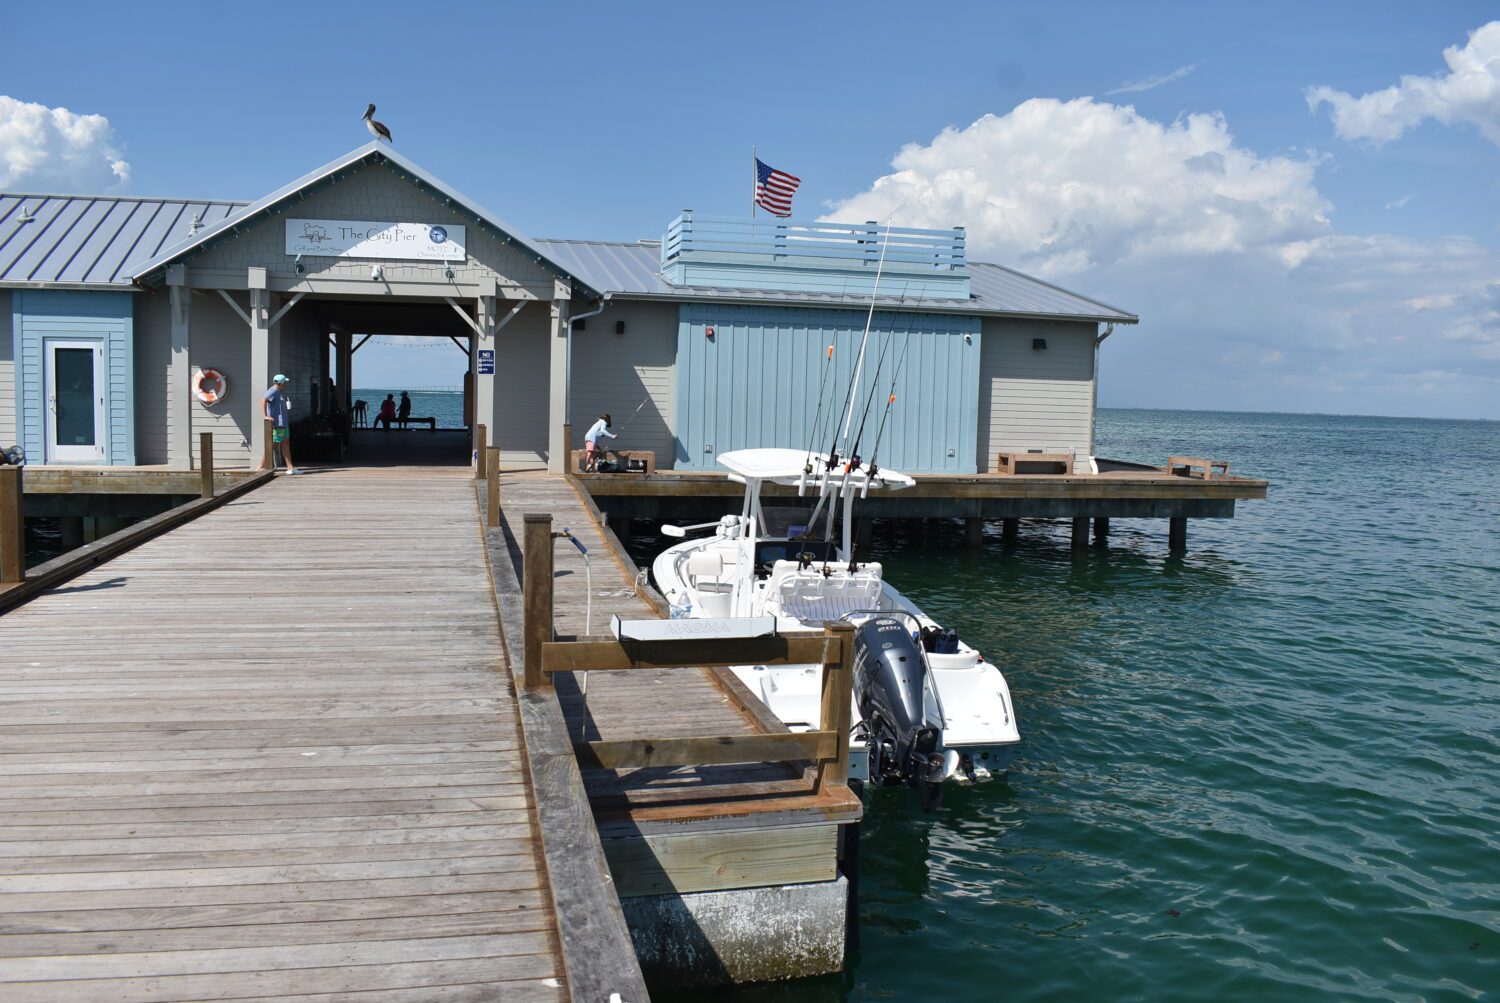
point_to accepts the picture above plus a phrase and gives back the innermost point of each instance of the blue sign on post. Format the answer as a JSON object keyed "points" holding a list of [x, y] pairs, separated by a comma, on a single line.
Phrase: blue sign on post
{"points": [[486, 362]]}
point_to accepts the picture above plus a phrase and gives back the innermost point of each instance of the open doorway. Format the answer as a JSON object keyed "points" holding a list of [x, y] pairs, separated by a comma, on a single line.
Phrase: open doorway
{"points": [[406, 398]]}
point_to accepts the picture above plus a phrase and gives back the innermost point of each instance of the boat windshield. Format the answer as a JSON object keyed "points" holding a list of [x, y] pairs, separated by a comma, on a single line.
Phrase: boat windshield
{"points": [[768, 552]]}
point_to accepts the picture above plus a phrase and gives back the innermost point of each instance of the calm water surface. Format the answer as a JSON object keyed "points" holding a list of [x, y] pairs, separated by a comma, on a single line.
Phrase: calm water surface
{"points": [[1267, 770]]}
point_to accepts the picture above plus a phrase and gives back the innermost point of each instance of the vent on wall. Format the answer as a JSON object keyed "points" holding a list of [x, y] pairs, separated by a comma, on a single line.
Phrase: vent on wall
{"points": [[1038, 344]]}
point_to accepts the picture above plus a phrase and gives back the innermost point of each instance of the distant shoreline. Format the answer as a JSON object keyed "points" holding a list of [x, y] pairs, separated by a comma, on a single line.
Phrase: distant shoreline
{"points": [[1296, 414]]}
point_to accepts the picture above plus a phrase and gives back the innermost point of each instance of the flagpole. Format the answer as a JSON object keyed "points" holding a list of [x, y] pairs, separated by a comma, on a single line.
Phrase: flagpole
{"points": [[754, 177]]}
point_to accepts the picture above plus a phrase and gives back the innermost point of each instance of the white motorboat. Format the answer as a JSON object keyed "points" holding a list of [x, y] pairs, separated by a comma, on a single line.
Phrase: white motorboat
{"points": [[927, 707]]}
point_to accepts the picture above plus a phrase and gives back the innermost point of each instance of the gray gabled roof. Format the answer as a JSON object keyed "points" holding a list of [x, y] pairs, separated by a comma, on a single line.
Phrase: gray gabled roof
{"points": [[373, 151], [92, 240], [633, 271]]}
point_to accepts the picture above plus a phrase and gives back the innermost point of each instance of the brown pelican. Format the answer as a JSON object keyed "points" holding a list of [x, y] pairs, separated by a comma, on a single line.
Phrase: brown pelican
{"points": [[377, 129]]}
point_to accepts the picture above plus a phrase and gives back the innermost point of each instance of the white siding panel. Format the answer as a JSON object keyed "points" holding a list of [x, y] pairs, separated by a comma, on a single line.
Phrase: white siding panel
{"points": [[153, 356], [8, 436], [1031, 398], [620, 373], [522, 369]]}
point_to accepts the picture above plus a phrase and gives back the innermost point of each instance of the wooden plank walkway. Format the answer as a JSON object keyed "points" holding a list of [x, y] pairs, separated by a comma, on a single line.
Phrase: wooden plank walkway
{"points": [[270, 755]]}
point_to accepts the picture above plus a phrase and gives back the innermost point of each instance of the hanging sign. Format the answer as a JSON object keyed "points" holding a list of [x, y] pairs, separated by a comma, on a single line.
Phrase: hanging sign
{"points": [[354, 238], [486, 365]]}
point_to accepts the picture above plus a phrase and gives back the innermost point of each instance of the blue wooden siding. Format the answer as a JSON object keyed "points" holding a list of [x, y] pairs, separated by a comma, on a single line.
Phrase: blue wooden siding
{"points": [[755, 383], [106, 317]]}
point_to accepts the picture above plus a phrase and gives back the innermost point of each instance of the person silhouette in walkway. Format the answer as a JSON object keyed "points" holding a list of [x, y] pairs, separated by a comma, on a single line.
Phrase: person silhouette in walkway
{"points": [[387, 412], [404, 411]]}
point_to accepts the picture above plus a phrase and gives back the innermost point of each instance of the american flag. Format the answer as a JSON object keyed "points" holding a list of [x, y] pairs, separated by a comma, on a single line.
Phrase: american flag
{"points": [[774, 189]]}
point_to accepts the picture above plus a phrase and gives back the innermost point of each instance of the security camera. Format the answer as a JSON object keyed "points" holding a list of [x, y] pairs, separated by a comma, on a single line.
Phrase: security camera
{"points": [[376, 273], [297, 265]]}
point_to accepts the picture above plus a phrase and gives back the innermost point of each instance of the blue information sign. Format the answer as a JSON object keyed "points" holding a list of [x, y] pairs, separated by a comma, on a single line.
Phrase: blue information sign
{"points": [[486, 362]]}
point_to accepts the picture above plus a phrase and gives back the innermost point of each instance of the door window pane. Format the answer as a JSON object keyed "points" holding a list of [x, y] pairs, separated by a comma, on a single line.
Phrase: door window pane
{"points": [[73, 381]]}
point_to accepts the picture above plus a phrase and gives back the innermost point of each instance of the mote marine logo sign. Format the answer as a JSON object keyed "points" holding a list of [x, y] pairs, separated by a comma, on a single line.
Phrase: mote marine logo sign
{"points": [[355, 238]]}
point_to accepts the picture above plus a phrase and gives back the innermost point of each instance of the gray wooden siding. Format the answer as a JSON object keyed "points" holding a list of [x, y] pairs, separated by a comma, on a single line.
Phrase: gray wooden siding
{"points": [[618, 372], [298, 340], [153, 356], [221, 340], [373, 192], [522, 369], [8, 435], [1032, 398]]}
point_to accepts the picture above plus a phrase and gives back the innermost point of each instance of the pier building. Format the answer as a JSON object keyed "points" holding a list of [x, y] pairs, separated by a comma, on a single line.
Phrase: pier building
{"points": [[717, 333]]}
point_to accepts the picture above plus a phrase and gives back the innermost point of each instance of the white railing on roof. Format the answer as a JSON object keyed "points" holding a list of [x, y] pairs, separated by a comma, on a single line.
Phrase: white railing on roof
{"points": [[824, 245]]}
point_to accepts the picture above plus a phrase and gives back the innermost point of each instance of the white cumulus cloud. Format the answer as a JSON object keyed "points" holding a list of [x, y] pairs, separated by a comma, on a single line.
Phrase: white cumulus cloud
{"points": [[1246, 289], [42, 147], [1064, 186], [1469, 93]]}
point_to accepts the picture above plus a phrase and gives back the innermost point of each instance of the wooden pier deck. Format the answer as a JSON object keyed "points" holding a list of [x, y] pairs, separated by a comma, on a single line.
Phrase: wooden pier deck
{"points": [[269, 755]]}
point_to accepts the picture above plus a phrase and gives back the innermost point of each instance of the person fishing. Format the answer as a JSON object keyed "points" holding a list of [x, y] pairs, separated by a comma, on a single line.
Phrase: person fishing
{"points": [[591, 442]]}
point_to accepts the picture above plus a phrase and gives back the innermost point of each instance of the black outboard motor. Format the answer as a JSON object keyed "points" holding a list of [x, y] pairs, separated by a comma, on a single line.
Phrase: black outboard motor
{"points": [[890, 674]]}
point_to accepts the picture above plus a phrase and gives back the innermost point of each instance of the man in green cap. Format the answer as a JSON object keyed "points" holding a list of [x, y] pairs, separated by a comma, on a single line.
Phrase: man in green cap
{"points": [[276, 410]]}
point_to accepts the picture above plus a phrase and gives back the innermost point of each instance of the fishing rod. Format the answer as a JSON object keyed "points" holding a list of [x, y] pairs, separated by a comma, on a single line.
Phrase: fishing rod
{"points": [[849, 394], [873, 468], [814, 431], [885, 346], [637, 411]]}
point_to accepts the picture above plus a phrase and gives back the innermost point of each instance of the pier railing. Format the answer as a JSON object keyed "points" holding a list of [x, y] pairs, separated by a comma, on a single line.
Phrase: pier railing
{"points": [[544, 656]]}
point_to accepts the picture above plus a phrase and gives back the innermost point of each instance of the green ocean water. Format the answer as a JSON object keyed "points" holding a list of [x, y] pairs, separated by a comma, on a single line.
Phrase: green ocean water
{"points": [[1266, 770]]}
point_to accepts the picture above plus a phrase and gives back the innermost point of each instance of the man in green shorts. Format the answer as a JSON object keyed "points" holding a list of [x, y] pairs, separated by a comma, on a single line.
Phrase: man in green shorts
{"points": [[275, 409]]}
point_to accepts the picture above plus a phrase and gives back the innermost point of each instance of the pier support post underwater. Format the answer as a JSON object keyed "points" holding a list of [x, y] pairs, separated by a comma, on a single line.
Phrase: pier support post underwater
{"points": [[12, 526], [973, 533], [1177, 535], [1101, 531], [1010, 529], [1080, 533]]}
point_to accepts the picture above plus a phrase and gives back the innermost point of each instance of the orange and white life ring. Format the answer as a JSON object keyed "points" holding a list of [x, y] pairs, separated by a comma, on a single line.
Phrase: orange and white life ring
{"points": [[210, 386]]}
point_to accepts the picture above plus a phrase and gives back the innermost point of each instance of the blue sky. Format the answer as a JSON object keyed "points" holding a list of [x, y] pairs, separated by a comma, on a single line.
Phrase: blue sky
{"points": [[1166, 158]]}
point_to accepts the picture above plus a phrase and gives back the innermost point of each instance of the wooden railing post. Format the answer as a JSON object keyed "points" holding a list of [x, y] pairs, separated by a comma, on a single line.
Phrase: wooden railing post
{"points": [[12, 527], [206, 462], [268, 457], [481, 433], [838, 694], [536, 590], [492, 485], [568, 448]]}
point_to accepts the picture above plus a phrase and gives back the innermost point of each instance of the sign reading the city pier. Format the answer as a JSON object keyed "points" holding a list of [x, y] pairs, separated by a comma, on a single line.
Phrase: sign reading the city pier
{"points": [[356, 238]]}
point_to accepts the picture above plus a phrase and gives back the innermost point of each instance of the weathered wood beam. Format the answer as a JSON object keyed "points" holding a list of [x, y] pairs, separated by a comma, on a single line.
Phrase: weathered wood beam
{"points": [[492, 487], [536, 586], [611, 655], [718, 750], [206, 463]]}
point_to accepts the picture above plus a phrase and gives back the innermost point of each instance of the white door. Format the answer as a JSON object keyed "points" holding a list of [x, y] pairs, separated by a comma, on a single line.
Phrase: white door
{"points": [[75, 401]]}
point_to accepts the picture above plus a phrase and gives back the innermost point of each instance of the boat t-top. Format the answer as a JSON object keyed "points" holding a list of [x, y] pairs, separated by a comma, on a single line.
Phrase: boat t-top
{"points": [[927, 706]]}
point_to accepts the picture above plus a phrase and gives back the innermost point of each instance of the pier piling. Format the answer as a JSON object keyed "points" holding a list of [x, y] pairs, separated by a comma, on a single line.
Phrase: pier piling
{"points": [[1177, 535], [492, 485], [206, 462], [1101, 531], [536, 589], [1010, 529], [1080, 533], [973, 533], [12, 527]]}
